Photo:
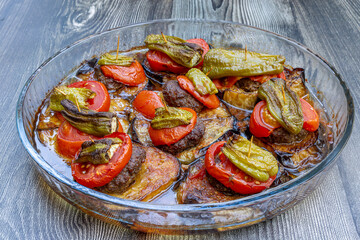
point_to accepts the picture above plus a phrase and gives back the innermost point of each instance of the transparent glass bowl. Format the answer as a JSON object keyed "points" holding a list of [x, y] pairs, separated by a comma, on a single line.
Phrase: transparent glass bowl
{"points": [[324, 82]]}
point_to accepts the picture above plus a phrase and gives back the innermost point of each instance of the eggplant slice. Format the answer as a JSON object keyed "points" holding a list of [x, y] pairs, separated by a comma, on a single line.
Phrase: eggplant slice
{"points": [[239, 102], [196, 188], [48, 120], [159, 171], [217, 122], [140, 131], [295, 79], [122, 108]]}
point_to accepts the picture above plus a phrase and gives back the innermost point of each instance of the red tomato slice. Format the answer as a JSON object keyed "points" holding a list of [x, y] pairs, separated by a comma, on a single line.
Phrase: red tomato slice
{"points": [[168, 136], [131, 76], [262, 123], [146, 102], [160, 62], [69, 139], [210, 101], [311, 118], [101, 102], [229, 175], [97, 175]]}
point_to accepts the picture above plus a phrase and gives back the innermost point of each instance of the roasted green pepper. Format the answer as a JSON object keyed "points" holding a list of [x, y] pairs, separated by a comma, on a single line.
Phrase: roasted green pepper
{"points": [[225, 63], [98, 151], [95, 123], [81, 95], [283, 104], [260, 164], [109, 59], [182, 52], [202, 83], [170, 117]]}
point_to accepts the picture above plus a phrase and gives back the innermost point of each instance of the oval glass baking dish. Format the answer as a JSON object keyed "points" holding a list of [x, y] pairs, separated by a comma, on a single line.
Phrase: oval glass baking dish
{"points": [[323, 81]]}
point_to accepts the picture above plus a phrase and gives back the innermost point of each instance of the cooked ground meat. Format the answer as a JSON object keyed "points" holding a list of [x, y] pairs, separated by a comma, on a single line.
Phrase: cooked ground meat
{"points": [[190, 140], [127, 176], [248, 85], [219, 186], [175, 96], [280, 135]]}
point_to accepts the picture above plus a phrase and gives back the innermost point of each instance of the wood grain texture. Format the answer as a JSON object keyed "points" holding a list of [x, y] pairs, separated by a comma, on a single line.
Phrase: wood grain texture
{"points": [[34, 30]]}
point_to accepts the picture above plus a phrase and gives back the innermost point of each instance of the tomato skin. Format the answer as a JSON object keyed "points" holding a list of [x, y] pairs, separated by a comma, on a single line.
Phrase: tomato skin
{"points": [[311, 118], [257, 126], [210, 101], [70, 139], [146, 102], [281, 75], [101, 102], [229, 175], [160, 62], [131, 76], [98, 175], [168, 136]]}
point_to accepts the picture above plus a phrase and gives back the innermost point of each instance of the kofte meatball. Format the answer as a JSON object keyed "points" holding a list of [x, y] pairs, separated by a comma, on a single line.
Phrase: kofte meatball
{"points": [[190, 140], [127, 176], [280, 135], [175, 96]]}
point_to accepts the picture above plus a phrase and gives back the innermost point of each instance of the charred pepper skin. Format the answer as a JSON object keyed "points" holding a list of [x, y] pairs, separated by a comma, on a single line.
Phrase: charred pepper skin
{"points": [[182, 52], [95, 123], [224, 63], [283, 104]]}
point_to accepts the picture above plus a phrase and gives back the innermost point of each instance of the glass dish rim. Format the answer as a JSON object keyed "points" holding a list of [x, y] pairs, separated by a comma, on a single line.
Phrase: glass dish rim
{"points": [[41, 162]]}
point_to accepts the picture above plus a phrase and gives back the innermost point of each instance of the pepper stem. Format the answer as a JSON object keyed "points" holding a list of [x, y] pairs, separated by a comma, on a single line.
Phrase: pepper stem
{"points": [[60, 91], [251, 140], [77, 104], [245, 52], [209, 71], [163, 101], [163, 37], [117, 49]]}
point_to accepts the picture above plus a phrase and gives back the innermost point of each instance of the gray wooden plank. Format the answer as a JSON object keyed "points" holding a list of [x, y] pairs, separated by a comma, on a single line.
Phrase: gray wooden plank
{"points": [[338, 29], [34, 30]]}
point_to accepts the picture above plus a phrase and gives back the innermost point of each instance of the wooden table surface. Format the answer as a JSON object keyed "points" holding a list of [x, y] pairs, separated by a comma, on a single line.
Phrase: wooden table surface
{"points": [[33, 30]]}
